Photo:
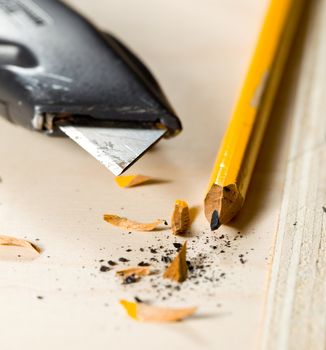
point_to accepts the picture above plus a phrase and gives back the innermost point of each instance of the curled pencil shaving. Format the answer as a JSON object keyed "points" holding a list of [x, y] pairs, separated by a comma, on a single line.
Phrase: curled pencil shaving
{"points": [[178, 270], [147, 313], [134, 271], [126, 181], [15, 242], [180, 218], [131, 225]]}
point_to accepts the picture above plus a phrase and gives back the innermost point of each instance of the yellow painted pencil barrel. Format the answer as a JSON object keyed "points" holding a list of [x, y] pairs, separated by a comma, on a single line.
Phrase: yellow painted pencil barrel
{"points": [[237, 155]]}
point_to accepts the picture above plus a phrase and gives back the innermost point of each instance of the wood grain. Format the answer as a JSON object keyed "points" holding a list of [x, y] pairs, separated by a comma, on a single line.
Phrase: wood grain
{"points": [[295, 313]]}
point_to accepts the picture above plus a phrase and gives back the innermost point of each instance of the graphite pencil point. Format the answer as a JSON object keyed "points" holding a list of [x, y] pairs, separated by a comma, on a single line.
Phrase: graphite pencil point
{"points": [[215, 222]]}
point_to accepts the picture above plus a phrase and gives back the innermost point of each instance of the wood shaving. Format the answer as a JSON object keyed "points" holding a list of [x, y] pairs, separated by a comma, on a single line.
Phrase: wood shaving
{"points": [[178, 270], [180, 218], [136, 271], [126, 181], [15, 242], [147, 313], [131, 225]]}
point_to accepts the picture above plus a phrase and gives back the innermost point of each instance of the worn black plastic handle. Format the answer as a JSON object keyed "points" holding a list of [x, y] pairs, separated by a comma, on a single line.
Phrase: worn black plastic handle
{"points": [[56, 67]]}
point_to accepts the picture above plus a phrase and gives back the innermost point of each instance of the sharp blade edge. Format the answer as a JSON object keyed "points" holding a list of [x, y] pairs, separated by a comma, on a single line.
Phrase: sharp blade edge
{"points": [[116, 148]]}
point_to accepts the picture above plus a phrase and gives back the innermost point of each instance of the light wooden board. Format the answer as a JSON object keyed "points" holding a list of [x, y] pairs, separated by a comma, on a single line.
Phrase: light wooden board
{"points": [[53, 191], [295, 313]]}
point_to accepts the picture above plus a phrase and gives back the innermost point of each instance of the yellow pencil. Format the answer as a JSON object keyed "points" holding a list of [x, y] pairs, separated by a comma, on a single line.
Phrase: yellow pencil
{"points": [[237, 155]]}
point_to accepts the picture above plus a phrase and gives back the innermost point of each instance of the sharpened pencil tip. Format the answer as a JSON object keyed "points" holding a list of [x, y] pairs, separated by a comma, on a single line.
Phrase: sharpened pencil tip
{"points": [[215, 222]]}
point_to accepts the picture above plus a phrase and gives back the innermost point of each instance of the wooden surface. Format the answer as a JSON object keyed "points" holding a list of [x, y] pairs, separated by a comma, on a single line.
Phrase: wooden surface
{"points": [[295, 313], [53, 191]]}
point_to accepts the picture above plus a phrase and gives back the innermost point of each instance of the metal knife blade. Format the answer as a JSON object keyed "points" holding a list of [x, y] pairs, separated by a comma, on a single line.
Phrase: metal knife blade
{"points": [[116, 148]]}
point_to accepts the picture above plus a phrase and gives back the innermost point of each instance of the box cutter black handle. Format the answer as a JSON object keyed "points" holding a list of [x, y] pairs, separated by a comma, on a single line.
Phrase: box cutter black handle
{"points": [[56, 67]]}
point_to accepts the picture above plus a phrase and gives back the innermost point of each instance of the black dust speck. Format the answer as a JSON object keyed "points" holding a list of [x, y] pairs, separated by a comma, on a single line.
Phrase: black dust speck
{"points": [[243, 261], [166, 259], [123, 259], [138, 300], [104, 268], [130, 279], [177, 246]]}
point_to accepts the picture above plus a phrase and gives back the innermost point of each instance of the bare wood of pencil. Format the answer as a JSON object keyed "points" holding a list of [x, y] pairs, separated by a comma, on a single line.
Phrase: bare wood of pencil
{"points": [[237, 156]]}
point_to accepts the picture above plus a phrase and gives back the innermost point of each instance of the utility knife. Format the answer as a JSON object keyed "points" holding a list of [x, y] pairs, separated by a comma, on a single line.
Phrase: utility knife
{"points": [[60, 75]]}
